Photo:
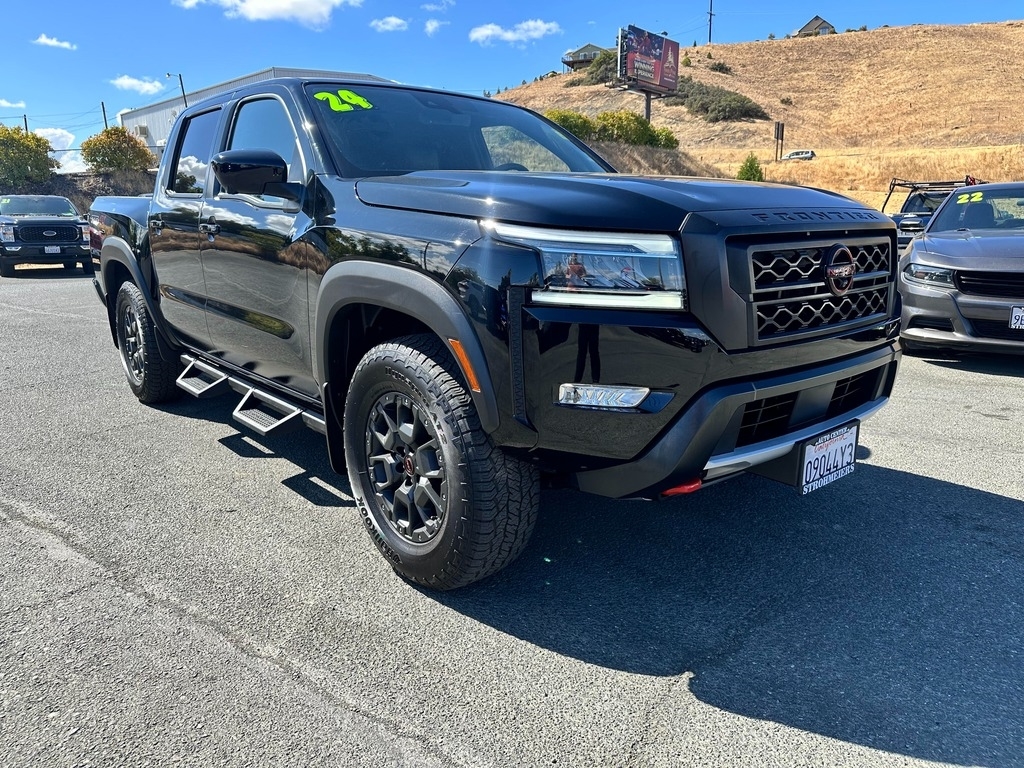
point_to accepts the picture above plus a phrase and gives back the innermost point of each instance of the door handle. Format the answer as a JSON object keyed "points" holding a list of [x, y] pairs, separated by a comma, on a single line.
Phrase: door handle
{"points": [[211, 228], [158, 226]]}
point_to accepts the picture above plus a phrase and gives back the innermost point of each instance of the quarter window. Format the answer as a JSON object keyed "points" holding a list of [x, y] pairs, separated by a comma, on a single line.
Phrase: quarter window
{"points": [[196, 149]]}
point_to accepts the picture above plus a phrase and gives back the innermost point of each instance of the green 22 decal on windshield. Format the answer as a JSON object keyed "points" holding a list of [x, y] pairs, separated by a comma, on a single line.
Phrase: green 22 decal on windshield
{"points": [[343, 100], [970, 197]]}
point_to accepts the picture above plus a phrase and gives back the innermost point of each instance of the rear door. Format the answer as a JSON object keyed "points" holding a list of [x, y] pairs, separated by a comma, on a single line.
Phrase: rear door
{"points": [[174, 228], [254, 258]]}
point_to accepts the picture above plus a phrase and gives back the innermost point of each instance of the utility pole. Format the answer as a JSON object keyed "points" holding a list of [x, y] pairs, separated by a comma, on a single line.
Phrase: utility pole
{"points": [[181, 84], [25, 118], [711, 15], [104, 108]]}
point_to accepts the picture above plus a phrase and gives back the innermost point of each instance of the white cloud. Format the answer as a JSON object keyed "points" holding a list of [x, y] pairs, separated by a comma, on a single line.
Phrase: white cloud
{"points": [[311, 13], [145, 87], [12, 104], [534, 29], [58, 137], [433, 25], [53, 42], [390, 24], [61, 141], [441, 7]]}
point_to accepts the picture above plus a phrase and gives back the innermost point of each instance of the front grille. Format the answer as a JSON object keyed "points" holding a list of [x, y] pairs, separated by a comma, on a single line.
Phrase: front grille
{"points": [[766, 418], [1008, 285], [995, 329], [772, 417], [853, 392], [64, 234], [790, 296]]}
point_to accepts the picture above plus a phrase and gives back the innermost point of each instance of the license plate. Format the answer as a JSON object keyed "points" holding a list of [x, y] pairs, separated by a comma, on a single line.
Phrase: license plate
{"points": [[52, 248], [828, 457], [1017, 318]]}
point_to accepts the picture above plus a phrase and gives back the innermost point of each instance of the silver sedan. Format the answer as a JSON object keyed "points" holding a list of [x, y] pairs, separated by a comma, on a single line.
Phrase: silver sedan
{"points": [[962, 280]]}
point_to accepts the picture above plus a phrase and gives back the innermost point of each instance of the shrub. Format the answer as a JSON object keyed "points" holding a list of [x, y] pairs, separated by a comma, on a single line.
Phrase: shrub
{"points": [[572, 82], [751, 169], [114, 149], [624, 127], [666, 139], [771, 35], [24, 158], [686, 61], [580, 126], [787, 101], [713, 103], [720, 66]]}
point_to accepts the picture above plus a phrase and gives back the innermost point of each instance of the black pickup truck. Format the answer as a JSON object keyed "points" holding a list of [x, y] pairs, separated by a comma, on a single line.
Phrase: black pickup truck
{"points": [[469, 303], [42, 229]]}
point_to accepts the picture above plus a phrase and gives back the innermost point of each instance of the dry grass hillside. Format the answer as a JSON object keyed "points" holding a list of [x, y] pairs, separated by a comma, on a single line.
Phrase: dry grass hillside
{"points": [[914, 102]]}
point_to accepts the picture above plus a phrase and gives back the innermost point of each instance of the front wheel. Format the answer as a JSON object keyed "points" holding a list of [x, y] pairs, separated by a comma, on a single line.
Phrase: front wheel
{"points": [[443, 504], [150, 377]]}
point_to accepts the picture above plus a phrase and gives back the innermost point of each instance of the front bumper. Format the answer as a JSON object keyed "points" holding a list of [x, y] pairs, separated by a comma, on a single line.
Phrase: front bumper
{"points": [[717, 435], [36, 254], [949, 319]]}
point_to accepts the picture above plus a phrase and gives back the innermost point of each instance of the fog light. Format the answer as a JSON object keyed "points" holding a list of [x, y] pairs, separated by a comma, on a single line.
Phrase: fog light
{"points": [[598, 396]]}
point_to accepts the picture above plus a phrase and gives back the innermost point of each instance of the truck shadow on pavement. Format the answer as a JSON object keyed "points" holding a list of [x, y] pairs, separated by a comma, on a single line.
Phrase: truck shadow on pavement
{"points": [[885, 611]]}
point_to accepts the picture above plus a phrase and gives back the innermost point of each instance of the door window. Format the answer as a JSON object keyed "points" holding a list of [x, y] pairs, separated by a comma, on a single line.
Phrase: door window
{"points": [[264, 124]]}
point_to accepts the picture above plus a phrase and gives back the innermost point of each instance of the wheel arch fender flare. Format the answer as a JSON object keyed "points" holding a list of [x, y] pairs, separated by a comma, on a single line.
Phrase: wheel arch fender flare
{"points": [[411, 293], [115, 251]]}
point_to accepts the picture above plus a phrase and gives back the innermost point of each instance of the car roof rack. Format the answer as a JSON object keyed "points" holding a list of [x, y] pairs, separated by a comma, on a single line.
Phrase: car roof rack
{"points": [[938, 186]]}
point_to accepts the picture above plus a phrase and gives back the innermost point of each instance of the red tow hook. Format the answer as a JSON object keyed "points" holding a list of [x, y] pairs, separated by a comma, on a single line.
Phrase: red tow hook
{"points": [[691, 487]]}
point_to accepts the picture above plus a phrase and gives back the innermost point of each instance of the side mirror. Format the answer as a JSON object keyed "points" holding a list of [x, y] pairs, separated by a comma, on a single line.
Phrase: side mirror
{"points": [[911, 224], [254, 172]]}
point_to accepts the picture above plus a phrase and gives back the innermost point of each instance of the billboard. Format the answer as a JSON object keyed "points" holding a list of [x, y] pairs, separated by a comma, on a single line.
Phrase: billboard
{"points": [[650, 60]]}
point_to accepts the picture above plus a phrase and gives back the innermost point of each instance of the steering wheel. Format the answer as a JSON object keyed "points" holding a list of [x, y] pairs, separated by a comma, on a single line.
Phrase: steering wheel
{"points": [[511, 167]]}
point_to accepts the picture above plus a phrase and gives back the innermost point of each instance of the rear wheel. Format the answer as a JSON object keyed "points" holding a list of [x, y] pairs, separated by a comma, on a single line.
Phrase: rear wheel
{"points": [[150, 377], [442, 503]]}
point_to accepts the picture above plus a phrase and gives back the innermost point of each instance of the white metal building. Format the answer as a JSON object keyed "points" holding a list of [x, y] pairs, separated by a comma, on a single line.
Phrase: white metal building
{"points": [[153, 123]]}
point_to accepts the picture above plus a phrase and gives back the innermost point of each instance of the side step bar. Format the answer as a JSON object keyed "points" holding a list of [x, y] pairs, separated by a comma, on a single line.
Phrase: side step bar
{"points": [[263, 413]]}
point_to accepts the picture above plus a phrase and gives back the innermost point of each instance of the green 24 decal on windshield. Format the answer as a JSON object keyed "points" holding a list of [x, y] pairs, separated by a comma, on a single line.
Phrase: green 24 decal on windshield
{"points": [[343, 100], [970, 197]]}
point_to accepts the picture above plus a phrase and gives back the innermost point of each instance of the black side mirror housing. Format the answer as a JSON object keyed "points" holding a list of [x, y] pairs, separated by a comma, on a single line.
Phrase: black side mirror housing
{"points": [[254, 172]]}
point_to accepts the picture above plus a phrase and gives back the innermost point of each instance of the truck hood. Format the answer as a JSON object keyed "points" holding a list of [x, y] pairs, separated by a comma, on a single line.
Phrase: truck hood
{"points": [[587, 201]]}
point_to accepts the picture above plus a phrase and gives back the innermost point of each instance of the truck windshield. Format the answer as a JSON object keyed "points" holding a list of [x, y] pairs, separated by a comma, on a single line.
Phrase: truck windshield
{"points": [[36, 205], [379, 131]]}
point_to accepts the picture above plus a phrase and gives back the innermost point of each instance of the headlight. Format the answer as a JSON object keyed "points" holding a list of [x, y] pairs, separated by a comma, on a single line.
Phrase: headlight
{"points": [[922, 273], [602, 269], [6, 233], [85, 233]]}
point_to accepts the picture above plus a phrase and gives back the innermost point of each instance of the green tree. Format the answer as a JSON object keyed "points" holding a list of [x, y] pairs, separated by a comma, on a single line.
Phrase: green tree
{"points": [[114, 149], [751, 169], [603, 69], [24, 158]]}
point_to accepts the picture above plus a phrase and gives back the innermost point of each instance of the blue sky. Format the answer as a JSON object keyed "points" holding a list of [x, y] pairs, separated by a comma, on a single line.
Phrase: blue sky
{"points": [[64, 58]]}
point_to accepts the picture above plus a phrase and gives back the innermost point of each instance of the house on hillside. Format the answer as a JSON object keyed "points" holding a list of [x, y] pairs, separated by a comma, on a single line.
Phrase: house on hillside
{"points": [[814, 27], [581, 57]]}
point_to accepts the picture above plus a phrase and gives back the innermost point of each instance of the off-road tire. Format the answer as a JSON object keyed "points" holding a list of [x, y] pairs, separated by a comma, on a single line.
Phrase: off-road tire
{"points": [[412, 435], [150, 377]]}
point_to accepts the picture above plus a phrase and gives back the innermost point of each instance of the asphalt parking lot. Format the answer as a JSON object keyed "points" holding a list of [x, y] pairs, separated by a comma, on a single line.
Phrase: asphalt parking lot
{"points": [[177, 591]]}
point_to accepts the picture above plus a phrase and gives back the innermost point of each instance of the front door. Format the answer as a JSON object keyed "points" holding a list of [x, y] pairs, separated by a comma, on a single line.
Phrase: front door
{"points": [[255, 262]]}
